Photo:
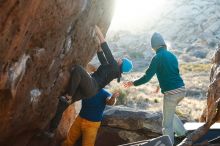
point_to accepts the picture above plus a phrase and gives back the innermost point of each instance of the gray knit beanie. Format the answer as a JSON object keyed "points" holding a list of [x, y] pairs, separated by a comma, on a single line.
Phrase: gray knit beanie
{"points": [[157, 41]]}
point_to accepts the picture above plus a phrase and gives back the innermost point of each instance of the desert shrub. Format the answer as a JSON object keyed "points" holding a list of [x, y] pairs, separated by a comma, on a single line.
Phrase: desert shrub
{"points": [[147, 100], [122, 99], [156, 101], [190, 67]]}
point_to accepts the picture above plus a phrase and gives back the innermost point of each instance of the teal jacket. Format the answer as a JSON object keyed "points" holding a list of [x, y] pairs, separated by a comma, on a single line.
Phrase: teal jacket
{"points": [[165, 65]]}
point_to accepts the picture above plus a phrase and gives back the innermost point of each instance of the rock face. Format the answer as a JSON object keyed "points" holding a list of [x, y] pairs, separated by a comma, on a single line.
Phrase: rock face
{"points": [[39, 42], [123, 125]]}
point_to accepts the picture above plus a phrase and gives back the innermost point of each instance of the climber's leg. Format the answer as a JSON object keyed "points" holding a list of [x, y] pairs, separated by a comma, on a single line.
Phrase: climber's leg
{"points": [[61, 107], [81, 83], [81, 86], [75, 78], [78, 96]]}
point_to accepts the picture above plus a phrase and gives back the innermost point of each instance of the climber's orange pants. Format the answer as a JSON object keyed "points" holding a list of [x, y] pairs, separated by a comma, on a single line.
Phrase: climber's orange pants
{"points": [[87, 129]]}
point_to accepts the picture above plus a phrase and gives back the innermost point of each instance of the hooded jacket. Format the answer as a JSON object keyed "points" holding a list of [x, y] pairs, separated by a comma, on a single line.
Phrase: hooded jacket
{"points": [[165, 65]]}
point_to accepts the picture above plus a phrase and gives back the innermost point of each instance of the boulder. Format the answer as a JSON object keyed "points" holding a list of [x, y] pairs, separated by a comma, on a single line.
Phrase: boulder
{"points": [[123, 125], [39, 43]]}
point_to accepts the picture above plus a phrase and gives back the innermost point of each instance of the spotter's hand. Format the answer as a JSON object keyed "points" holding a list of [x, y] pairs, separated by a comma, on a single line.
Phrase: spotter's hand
{"points": [[128, 84]]}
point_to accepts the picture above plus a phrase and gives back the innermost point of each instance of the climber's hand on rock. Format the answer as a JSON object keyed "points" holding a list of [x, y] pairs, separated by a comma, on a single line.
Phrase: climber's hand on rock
{"points": [[128, 84], [97, 41], [99, 49], [100, 35]]}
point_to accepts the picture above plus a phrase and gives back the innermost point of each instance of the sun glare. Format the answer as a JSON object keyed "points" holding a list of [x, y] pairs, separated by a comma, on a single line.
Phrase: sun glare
{"points": [[133, 13]]}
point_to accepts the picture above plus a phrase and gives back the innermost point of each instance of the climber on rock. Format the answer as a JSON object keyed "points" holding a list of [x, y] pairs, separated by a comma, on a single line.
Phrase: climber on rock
{"points": [[165, 65], [83, 85], [89, 119]]}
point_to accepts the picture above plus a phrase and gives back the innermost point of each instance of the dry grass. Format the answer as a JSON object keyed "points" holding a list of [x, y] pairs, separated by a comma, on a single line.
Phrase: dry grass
{"points": [[190, 67]]}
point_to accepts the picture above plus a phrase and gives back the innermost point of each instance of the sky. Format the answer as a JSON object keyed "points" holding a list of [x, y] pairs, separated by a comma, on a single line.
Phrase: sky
{"points": [[136, 14]]}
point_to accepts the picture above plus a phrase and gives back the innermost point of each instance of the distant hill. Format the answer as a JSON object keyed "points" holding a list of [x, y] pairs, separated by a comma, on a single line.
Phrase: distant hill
{"points": [[190, 27]]}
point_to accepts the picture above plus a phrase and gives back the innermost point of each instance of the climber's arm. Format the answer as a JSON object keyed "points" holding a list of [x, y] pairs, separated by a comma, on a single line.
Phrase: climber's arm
{"points": [[105, 47], [101, 57]]}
